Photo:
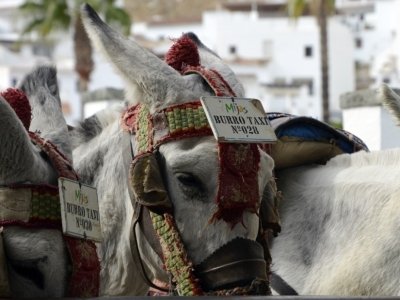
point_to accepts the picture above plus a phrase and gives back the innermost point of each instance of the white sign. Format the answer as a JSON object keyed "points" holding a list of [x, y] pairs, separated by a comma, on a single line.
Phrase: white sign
{"points": [[79, 210], [238, 120]]}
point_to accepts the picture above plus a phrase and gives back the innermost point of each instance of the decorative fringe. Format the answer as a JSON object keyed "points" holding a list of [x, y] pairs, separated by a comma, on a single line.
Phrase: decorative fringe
{"points": [[20, 104]]}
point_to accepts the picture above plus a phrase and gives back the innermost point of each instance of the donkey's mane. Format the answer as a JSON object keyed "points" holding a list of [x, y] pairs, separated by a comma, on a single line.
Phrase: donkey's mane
{"points": [[92, 126], [43, 76]]}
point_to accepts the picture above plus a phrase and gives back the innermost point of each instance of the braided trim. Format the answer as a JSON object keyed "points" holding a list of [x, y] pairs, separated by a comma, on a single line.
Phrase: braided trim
{"points": [[143, 130], [43, 210], [180, 121], [185, 117], [171, 123], [175, 257]]}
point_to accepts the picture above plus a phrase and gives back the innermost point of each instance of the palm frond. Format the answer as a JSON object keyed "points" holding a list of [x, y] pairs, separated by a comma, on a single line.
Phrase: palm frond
{"points": [[119, 16], [30, 7], [295, 8], [32, 26]]}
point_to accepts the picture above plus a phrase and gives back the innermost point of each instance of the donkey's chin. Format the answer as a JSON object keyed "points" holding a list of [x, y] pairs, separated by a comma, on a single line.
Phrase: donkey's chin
{"points": [[237, 268]]}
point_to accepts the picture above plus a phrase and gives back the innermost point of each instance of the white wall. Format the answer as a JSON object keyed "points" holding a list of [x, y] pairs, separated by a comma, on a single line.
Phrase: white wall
{"points": [[280, 41], [286, 41], [341, 63], [102, 76], [157, 32], [374, 125], [4, 77], [390, 133], [364, 123]]}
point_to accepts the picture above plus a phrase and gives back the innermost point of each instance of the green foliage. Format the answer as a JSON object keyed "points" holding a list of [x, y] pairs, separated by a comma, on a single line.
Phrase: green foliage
{"points": [[336, 124], [296, 8], [46, 16]]}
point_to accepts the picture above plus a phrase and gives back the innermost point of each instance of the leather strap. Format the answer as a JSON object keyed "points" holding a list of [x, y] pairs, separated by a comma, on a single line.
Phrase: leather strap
{"points": [[4, 283], [147, 228], [281, 286], [136, 219]]}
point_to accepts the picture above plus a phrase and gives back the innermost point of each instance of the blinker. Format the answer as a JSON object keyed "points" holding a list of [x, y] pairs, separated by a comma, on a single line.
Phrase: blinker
{"points": [[147, 183]]}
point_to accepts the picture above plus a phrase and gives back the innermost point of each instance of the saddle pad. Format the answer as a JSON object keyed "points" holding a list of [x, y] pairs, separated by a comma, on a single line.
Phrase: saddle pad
{"points": [[305, 140]]}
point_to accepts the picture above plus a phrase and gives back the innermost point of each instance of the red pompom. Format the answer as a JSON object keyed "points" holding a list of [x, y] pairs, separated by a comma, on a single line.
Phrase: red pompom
{"points": [[20, 103], [182, 53]]}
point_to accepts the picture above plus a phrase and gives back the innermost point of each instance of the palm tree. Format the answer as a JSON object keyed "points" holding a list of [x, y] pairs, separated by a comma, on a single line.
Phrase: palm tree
{"points": [[321, 9], [46, 16]]}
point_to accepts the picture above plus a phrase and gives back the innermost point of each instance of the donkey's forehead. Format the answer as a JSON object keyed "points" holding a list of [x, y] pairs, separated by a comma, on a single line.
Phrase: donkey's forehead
{"points": [[190, 151]]}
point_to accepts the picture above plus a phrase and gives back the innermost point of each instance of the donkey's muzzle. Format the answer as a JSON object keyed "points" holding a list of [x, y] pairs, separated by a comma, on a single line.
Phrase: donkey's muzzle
{"points": [[238, 263]]}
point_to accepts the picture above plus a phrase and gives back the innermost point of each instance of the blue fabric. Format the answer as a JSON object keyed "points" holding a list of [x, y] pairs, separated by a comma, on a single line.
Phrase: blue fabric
{"points": [[310, 129], [314, 133]]}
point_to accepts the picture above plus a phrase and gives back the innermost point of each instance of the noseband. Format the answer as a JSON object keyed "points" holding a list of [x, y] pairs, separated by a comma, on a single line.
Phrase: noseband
{"points": [[149, 131]]}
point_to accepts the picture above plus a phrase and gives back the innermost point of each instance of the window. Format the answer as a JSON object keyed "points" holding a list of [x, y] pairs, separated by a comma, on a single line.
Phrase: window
{"points": [[14, 81], [267, 49], [308, 51], [359, 43], [307, 82], [42, 50], [232, 49]]}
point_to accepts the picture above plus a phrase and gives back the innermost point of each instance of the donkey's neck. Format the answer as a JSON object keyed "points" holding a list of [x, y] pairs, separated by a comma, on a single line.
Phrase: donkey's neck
{"points": [[20, 160], [103, 162]]}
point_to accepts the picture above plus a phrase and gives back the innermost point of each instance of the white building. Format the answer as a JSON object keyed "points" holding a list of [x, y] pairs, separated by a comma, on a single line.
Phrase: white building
{"points": [[376, 30], [364, 116], [276, 59], [16, 60]]}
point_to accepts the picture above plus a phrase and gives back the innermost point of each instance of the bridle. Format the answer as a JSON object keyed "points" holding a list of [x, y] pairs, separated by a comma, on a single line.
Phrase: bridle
{"points": [[39, 207], [148, 132]]}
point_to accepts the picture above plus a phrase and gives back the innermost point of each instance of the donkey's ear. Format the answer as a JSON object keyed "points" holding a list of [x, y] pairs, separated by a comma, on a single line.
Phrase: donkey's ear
{"points": [[211, 60], [146, 74]]}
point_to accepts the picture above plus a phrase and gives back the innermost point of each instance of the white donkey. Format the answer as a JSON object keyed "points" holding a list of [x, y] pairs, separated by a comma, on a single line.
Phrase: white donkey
{"points": [[36, 258], [340, 224], [185, 220], [166, 203]]}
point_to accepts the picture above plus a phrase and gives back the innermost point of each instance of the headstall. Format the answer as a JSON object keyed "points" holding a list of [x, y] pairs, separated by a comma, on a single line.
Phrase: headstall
{"points": [[38, 206], [238, 185]]}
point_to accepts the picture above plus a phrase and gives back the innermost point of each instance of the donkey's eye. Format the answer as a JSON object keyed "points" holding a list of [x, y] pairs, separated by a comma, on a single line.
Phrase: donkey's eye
{"points": [[191, 186], [188, 180]]}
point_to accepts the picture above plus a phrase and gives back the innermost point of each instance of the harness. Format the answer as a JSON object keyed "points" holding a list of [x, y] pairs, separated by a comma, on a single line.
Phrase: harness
{"points": [[38, 206], [150, 130]]}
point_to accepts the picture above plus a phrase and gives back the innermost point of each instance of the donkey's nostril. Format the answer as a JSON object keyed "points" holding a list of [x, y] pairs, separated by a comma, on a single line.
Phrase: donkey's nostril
{"points": [[29, 270], [42, 99]]}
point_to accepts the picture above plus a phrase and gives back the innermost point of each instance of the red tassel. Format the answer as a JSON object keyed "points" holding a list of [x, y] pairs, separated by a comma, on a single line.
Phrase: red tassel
{"points": [[20, 103], [182, 53]]}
